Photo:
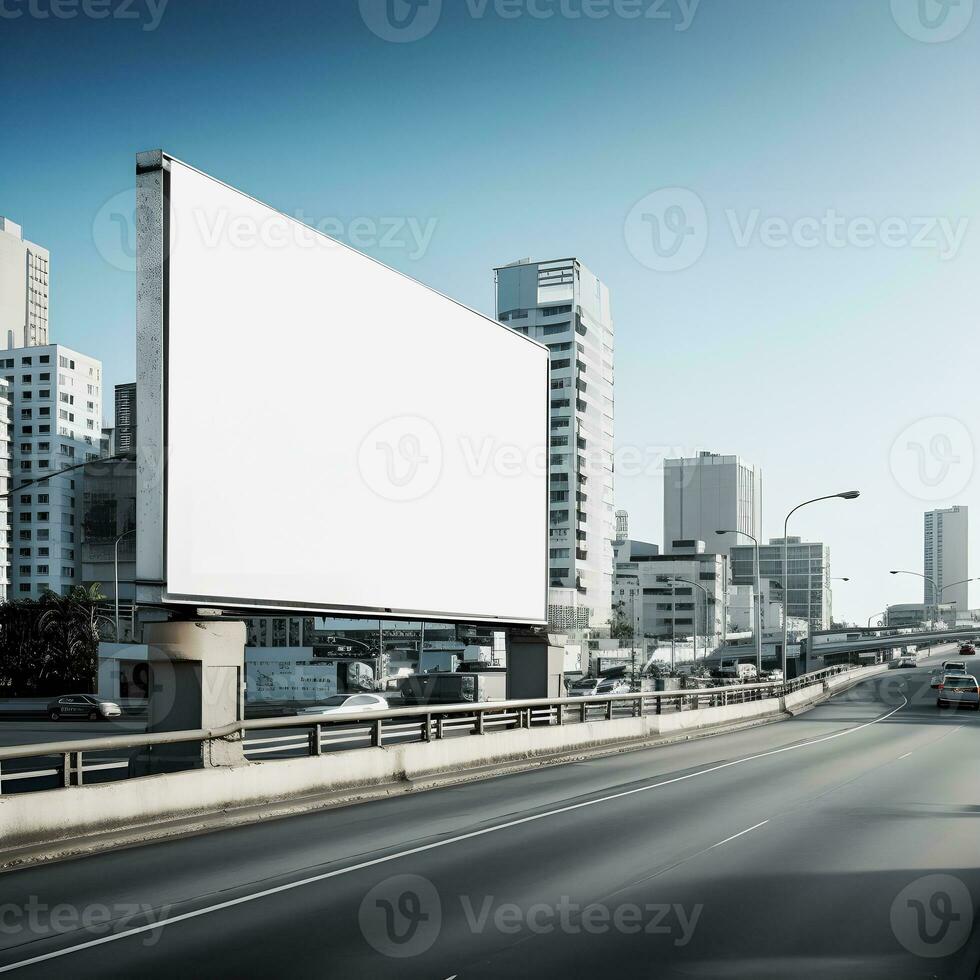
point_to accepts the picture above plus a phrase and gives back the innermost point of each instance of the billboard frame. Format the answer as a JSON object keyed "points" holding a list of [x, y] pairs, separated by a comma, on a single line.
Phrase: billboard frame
{"points": [[153, 170]]}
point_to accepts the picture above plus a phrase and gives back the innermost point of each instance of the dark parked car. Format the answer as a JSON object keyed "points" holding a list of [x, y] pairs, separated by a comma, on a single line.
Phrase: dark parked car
{"points": [[967, 650], [83, 706]]}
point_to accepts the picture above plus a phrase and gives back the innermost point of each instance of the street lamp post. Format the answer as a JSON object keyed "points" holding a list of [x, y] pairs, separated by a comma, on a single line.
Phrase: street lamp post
{"points": [[884, 613], [936, 595], [833, 578], [130, 457], [115, 574], [951, 585], [758, 595], [846, 495], [673, 583]]}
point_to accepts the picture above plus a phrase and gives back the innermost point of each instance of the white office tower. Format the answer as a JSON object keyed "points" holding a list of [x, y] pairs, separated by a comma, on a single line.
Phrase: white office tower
{"points": [[56, 411], [563, 305], [23, 289], [945, 560], [710, 493]]}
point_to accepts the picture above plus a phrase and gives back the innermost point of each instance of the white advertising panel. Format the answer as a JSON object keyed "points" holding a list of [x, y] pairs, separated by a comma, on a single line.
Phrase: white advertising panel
{"points": [[338, 436]]}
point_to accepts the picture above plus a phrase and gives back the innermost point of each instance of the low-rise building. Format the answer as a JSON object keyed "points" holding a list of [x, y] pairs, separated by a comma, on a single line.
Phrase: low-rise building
{"points": [[651, 591]]}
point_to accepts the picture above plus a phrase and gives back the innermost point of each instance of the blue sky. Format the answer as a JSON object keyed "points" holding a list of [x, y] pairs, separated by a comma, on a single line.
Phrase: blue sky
{"points": [[504, 136]]}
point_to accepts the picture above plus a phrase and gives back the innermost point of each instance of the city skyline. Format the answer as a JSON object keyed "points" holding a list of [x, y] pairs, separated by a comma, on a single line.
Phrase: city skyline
{"points": [[758, 324]]}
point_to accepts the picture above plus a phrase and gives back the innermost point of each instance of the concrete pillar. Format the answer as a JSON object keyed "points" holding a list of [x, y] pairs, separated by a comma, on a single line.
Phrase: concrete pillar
{"points": [[535, 665], [197, 681]]}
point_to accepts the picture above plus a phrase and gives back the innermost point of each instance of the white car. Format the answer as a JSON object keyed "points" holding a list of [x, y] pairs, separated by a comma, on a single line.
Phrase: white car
{"points": [[589, 687], [348, 704]]}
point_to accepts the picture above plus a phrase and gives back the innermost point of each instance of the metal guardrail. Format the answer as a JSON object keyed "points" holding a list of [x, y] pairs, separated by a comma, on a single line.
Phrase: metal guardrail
{"points": [[422, 723]]}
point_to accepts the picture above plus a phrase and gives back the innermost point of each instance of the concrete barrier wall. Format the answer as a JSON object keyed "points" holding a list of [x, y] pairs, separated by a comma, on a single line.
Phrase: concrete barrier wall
{"points": [[54, 815]]}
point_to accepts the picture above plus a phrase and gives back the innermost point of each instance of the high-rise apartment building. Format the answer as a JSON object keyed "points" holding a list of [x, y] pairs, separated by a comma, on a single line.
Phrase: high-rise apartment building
{"points": [[808, 594], [6, 434], [563, 305], [125, 427], [709, 493], [945, 557], [56, 416], [24, 270]]}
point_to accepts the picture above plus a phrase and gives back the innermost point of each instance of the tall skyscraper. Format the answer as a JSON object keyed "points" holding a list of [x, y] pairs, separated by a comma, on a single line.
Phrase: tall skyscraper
{"points": [[124, 436], [563, 305], [710, 493], [945, 557], [23, 289], [56, 411]]}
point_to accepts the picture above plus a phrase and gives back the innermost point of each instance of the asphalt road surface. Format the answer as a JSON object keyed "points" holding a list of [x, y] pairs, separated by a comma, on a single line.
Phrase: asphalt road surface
{"points": [[844, 843]]}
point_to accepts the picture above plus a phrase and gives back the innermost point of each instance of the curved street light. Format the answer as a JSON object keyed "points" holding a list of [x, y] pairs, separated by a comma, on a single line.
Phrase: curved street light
{"points": [[845, 495], [928, 578], [673, 603], [937, 592], [758, 595], [129, 457]]}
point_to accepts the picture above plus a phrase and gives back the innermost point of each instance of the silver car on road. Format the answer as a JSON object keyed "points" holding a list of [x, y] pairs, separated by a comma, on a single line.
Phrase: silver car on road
{"points": [[959, 690]]}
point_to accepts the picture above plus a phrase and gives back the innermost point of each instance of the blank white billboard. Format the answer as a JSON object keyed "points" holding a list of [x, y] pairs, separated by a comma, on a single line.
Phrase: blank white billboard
{"points": [[338, 437]]}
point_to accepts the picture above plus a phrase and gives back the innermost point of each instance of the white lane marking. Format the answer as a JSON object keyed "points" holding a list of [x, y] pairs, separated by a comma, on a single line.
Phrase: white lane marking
{"points": [[907, 754], [741, 833], [422, 848]]}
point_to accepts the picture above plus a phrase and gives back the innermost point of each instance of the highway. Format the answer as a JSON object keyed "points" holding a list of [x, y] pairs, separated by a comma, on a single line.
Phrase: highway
{"points": [[842, 843]]}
